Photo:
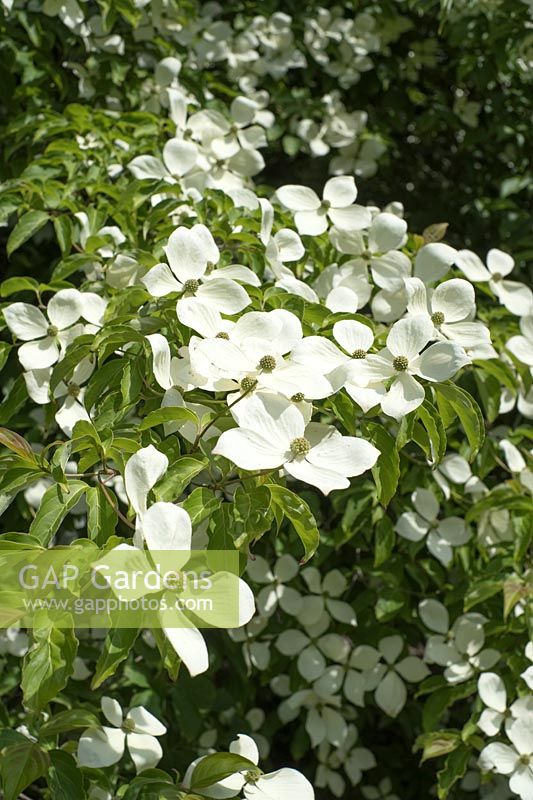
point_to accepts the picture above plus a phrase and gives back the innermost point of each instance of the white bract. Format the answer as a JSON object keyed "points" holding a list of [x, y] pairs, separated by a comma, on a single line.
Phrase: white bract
{"points": [[311, 215], [404, 358], [272, 433], [102, 747], [442, 535], [515, 296], [514, 759], [192, 255]]}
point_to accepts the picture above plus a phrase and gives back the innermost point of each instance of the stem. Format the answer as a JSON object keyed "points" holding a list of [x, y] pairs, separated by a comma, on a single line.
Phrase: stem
{"points": [[218, 416], [115, 508]]}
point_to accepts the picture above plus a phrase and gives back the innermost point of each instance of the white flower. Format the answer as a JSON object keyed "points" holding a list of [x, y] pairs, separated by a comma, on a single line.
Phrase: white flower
{"points": [[143, 470], [284, 784], [492, 691], [386, 678], [516, 297], [179, 157], [354, 761], [433, 261], [324, 722], [345, 287], [377, 247], [273, 434], [402, 359], [313, 647], [522, 346], [515, 760], [311, 213], [442, 535], [191, 254], [459, 649], [451, 308], [276, 591], [326, 591], [101, 747], [254, 350], [45, 340]]}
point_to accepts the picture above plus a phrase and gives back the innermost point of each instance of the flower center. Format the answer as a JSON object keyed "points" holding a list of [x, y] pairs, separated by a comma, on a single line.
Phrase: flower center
{"points": [[248, 383], [300, 446], [191, 286], [326, 205], [298, 397], [73, 390], [437, 318], [128, 726], [525, 759], [359, 354], [267, 363], [366, 255], [400, 363], [209, 267], [222, 335], [52, 330], [497, 276]]}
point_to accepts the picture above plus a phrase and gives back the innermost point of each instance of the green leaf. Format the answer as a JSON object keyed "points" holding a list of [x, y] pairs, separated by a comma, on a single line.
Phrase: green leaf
{"points": [[14, 401], [22, 764], [14, 481], [5, 350], [178, 477], [298, 512], [63, 230], [69, 721], [217, 766], [55, 505], [200, 504], [454, 768], [386, 471], [27, 225], [384, 541], [48, 665], [18, 284], [468, 411], [437, 743], [168, 414], [430, 419], [101, 516], [65, 779], [116, 649]]}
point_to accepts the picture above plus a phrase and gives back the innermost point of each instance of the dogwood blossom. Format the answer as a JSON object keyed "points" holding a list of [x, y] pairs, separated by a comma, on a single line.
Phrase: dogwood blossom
{"points": [[403, 358], [272, 434], [442, 535], [101, 747], [338, 204], [515, 296]]}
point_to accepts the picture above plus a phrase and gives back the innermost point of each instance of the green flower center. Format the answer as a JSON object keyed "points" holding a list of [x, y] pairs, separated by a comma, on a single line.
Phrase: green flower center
{"points": [[300, 446], [73, 390], [497, 276], [267, 363], [52, 330], [298, 397], [326, 205], [191, 286], [366, 255], [359, 354], [128, 726], [400, 363], [222, 335], [437, 318], [248, 383]]}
